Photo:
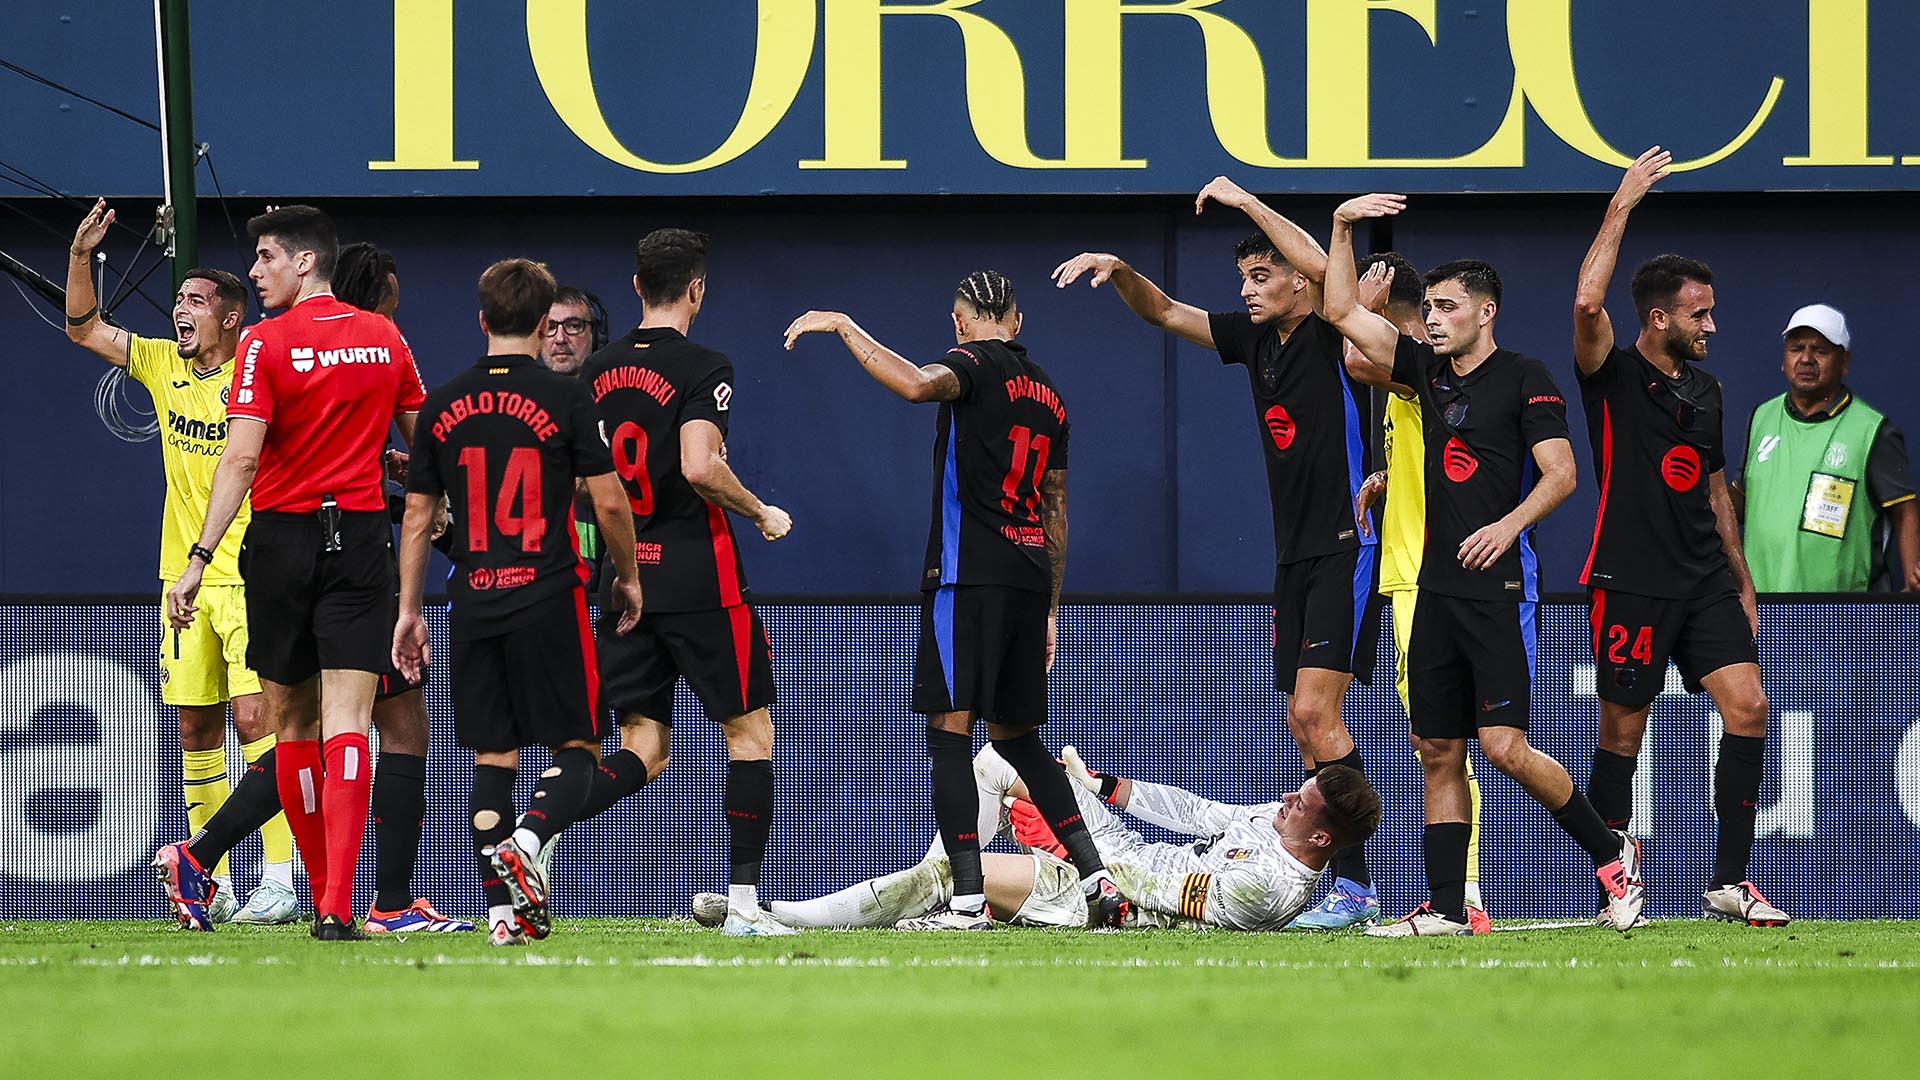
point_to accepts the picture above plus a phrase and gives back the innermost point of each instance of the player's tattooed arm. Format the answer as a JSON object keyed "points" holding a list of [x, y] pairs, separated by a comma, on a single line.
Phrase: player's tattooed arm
{"points": [[90, 331], [1053, 518], [703, 461], [935, 382], [1142, 297], [1727, 524], [1372, 335], [1593, 335]]}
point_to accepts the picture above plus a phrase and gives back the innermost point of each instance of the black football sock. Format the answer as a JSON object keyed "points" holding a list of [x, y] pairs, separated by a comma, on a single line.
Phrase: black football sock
{"points": [[558, 795], [1610, 788], [956, 807], [1052, 794], [399, 813], [253, 803], [1445, 845], [1350, 862], [749, 806], [617, 776], [490, 810], [1585, 825], [1736, 797]]}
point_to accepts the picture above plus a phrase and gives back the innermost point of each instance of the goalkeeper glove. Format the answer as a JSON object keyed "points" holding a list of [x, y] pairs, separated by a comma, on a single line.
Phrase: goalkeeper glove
{"points": [[1031, 829]]}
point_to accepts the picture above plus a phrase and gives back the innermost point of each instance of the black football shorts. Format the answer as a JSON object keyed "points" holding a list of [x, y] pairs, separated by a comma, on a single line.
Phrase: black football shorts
{"points": [[310, 610], [723, 653], [535, 685], [1635, 636], [1326, 614], [983, 649], [1470, 665]]}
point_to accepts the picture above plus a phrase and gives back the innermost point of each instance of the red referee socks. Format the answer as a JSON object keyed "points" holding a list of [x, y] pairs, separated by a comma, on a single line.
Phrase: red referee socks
{"points": [[297, 771], [345, 796]]}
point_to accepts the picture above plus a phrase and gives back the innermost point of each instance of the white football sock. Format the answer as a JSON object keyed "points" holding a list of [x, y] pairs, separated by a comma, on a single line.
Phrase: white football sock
{"points": [[280, 873], [527, 842], [876, 902], [743, 899]]}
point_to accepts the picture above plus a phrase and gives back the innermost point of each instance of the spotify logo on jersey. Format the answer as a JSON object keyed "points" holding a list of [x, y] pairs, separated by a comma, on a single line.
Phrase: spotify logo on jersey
{"points": [[1680, 468], [1458, 461], [1280, 425]]}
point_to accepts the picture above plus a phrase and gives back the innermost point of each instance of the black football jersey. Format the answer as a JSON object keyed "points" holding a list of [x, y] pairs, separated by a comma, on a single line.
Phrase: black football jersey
{"points": [[1309, 422], [1655, 441], [992, 445], [648, 384], [1480, 430], [505, 441]]}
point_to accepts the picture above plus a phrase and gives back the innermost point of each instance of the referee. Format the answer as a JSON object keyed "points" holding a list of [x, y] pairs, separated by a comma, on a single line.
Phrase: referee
{"points": [[315, 390]]}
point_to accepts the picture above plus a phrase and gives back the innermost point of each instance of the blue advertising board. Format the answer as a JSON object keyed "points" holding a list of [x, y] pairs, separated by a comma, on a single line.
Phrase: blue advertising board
{"points": [[1181, 693], [740, 97]]}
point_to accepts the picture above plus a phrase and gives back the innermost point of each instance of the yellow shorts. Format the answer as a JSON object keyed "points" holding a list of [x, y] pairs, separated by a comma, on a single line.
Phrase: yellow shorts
{"points": [[206, 664], [1403, 604]]}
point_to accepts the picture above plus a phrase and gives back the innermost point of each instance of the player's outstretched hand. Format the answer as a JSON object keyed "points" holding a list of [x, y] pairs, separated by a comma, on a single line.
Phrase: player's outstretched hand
{"points": [[1487, 544], [1223, 191], [1100, 263], [411, 645], [774, 522], [93, 228], [813, 322], [1077, 770], [181, 596], [1375, 286], [1648, 169], [626, 601], [1370, 206], [1370, 492]]}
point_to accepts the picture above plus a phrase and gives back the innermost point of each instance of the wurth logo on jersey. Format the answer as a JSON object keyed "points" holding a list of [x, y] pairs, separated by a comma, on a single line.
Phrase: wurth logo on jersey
{"points": [[302, 359], [377, 354]]}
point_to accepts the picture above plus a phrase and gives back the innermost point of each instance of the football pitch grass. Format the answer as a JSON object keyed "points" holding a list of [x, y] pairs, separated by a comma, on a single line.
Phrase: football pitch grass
{"points": [[629, 997]]}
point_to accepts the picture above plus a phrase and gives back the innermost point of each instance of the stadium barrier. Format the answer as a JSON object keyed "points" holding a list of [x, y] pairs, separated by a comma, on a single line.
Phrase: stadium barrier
{"points": [[1178, 692]]}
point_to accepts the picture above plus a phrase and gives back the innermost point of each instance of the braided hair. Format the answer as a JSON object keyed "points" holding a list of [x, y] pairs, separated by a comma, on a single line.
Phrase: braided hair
{"points": [[360, 275], [987, 292]]}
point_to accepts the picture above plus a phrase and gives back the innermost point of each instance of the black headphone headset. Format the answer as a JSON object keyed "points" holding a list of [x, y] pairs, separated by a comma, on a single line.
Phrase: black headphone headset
{"points": [[598, 312]]}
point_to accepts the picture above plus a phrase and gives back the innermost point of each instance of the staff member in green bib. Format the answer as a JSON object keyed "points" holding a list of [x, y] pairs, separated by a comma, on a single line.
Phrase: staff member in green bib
{"points": [[1826, 479]]}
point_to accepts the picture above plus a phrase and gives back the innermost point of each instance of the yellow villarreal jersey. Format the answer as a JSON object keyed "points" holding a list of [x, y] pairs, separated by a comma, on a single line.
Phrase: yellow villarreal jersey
{"points": [[1403, 528], [192, 411]]}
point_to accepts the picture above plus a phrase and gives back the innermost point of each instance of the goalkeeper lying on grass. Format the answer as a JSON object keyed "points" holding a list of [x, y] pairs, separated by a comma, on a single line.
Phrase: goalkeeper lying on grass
{"points": [[1252, 868]]}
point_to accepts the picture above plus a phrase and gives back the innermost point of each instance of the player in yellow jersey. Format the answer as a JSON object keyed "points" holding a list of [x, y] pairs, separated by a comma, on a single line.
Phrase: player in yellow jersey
{"points": [[1390, 286], [205, 666]]}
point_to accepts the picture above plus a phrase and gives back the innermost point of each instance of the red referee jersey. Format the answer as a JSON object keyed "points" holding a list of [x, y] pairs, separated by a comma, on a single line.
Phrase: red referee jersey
{"points": [[327, 378]]}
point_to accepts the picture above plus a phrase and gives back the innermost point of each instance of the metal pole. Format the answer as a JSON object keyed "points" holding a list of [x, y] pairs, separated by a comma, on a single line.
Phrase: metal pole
{"points": [[178, 151]]}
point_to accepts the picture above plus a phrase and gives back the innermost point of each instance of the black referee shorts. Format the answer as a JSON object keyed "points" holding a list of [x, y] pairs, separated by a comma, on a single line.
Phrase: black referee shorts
{"points": [[983, 649], [1635, 636], [1470, 665], [535, 685], [310, 610], [1326, 614], [723, 653]]}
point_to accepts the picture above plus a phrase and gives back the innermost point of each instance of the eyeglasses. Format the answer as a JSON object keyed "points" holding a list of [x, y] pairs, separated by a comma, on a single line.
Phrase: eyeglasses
{"points": [[1685, 410], [572, 327]]}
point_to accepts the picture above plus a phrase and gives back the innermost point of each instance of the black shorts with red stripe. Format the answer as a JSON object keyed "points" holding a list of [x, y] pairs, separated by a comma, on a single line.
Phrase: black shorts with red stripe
{"points": [[1635, 636], [723, 653], [535, 685]]}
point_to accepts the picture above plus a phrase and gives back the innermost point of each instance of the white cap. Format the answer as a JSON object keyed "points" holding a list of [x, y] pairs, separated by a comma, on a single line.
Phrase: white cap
{"points": [[1831, 324]]}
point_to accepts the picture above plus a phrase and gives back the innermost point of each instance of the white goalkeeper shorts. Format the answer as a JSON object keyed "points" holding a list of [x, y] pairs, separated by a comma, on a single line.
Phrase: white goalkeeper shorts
{"points": [[1057, 899]]}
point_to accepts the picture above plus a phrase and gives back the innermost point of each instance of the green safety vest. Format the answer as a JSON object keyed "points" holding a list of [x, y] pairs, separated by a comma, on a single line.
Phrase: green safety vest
{"points": [[1809, 518]]}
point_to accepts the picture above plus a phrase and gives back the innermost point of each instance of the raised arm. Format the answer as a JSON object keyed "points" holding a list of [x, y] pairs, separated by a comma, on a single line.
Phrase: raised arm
{"points": [[1727, 524], [935, 382], [1142, 297], [85, 328], [1301, 250], [1592, 330], [703, 461], [1374, 336], [1558, 476]]}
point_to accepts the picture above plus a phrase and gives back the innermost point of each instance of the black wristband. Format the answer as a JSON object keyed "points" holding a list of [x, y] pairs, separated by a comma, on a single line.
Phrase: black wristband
{"points": [[1108, 785], [198, 552], [84, 317]]}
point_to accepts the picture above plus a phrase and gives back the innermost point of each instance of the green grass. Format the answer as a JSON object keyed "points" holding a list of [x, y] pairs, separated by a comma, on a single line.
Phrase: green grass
{"points": [[643, 998]]}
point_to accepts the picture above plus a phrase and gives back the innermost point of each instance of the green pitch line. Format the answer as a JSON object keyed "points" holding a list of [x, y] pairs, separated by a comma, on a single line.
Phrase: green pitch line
{"points": [[653, 998]]}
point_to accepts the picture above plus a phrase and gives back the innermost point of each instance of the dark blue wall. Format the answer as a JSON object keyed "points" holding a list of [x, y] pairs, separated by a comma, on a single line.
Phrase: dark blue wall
{"points": [[1167, 490]]}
